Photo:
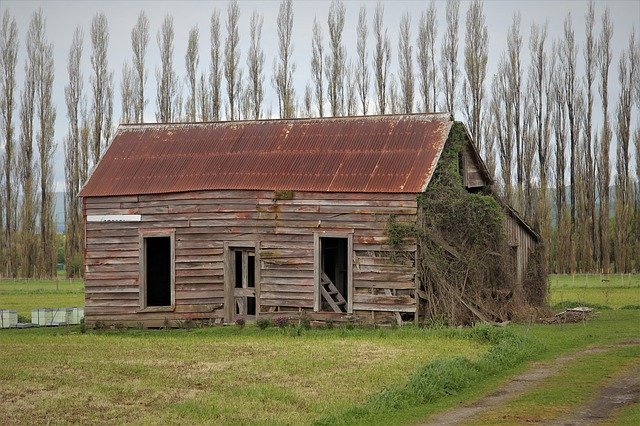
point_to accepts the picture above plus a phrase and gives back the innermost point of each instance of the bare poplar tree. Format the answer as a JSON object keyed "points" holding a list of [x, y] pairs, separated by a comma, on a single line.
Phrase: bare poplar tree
{"points": [[514, 100], [215, 78], [101, 85], [490, 142], [308, 101], [528, 153], [29, 255], [475, 65], [204, 99], [560, 124], [166, 92], [449, 56], [381, 58], [336, 60], [427, 31], [232, 72], [72, 161], [501, 118], [284, 68], [85, 141], [405, 65], [362, 70], [351, 91], [28, 174], [8, 61], [568, 56], [394, 98], [255, 64], [127, 95], [539, 86], [627, 77], [589, 187], [317, 66], [46, 112], [604, 170], [191, 60], [139, 43]]}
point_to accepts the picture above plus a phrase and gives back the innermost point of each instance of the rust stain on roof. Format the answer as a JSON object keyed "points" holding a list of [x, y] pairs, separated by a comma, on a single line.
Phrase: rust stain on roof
{"points": [[394, 154]]}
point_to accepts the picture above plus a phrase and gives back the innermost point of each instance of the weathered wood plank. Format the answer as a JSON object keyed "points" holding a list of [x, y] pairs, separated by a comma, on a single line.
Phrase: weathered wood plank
{"points": [[385, 308]]}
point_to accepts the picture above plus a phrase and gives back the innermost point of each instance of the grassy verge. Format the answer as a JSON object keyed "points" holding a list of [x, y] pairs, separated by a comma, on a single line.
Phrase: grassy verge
{"points": [[216, 375], [440, 379], [563, 394], [25, 295]]}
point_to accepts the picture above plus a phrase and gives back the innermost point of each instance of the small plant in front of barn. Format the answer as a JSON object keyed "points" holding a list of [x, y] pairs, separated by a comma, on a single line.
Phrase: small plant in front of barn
{"points": [[281, 321], [263, 323], [240, 321], [305, 320]]}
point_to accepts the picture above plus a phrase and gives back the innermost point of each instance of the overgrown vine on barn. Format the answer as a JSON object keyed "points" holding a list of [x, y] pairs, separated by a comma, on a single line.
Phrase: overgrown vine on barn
{"points": [[464, 270]]}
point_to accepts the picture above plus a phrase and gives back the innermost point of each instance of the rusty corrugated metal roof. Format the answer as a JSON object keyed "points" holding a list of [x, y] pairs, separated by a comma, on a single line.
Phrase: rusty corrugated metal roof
{"points": [[394, 154]]}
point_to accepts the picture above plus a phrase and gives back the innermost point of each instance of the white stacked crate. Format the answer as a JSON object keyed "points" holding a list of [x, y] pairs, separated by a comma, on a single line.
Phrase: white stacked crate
{"points": [[74, 315], [49, 316], [8, 318]]}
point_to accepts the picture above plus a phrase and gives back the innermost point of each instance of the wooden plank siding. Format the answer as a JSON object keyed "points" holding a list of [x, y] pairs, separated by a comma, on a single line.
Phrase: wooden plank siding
{"points": [[522, 242], [204, 220]]}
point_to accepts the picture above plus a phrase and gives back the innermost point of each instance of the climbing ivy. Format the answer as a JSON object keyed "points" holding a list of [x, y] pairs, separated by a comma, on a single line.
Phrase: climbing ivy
{"points": [[465, 268]]}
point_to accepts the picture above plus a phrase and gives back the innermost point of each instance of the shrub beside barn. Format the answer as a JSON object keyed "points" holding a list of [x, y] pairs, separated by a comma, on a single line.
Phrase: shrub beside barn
{"points": [[214, 221]]}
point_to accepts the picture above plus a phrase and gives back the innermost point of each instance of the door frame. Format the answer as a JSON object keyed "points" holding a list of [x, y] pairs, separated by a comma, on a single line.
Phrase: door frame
{"points": [[317, 266], [229, 276]]}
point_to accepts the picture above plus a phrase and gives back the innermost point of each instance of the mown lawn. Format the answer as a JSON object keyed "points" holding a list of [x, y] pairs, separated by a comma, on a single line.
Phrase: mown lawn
{"points": [[614, 290], [25, 295], [216, 375]]}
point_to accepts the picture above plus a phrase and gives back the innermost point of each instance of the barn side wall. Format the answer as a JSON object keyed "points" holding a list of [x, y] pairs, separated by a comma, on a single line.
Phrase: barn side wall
{"points": [[521, 241], [284, 228]]}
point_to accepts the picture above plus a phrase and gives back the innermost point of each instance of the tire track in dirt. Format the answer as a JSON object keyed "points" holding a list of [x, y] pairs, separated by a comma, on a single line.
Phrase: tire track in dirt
{"points": [[623, 390], [523, 382]]}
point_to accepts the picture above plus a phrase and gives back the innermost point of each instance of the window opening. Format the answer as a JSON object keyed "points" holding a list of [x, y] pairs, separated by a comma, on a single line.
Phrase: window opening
{"points": [[157, 271]]}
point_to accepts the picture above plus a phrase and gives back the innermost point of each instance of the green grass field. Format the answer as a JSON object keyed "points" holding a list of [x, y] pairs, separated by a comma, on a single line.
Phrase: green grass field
{"points": [[25, 295], [212, 375], [291, 376], [614, 290]]}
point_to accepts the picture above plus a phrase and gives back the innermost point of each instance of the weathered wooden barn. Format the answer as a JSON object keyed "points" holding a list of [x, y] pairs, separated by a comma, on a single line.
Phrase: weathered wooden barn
{"points": [[220, 220]]}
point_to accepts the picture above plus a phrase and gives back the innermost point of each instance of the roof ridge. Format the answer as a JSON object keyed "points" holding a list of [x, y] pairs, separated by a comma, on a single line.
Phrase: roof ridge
{"points": [[426, 116]]}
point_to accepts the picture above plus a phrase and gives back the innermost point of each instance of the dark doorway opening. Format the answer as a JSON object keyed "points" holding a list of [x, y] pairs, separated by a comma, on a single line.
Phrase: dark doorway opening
{"points": [[334, 280], [158, 271]]}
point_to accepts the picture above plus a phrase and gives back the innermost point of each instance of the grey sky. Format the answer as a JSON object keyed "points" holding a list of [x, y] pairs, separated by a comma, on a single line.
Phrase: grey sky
{"points": [[63, 17]]}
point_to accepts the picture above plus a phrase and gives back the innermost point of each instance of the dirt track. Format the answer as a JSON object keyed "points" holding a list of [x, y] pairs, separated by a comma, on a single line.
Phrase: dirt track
{"points": [[622, 391]]}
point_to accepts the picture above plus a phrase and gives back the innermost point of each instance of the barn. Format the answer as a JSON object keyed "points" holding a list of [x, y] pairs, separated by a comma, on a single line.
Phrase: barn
{"points": [[215, 221]]}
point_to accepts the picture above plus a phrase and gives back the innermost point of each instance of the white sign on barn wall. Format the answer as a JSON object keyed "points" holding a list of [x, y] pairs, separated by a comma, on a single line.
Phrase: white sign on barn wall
{"points": [[114, 218]]}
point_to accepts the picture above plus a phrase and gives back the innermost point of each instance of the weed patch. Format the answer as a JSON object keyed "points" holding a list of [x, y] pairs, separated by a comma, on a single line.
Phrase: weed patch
{"points": [[443, 377]]}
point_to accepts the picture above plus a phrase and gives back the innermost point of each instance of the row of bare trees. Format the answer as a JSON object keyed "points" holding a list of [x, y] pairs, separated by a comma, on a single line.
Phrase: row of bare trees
{"points": [[28, 231], [533, 119]]}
